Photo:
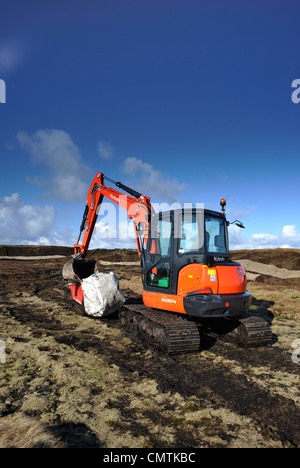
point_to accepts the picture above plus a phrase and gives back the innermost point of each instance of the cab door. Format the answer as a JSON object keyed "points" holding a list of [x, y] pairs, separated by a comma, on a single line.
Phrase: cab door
{"points": [[189, 251], [158, 268]]}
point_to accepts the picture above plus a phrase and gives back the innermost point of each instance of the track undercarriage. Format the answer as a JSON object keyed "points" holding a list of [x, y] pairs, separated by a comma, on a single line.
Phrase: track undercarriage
{"points": [[178, 334]]}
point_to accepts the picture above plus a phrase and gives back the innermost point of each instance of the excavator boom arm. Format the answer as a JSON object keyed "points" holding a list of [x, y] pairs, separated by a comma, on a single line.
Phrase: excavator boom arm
{"points": [[137, 205]]}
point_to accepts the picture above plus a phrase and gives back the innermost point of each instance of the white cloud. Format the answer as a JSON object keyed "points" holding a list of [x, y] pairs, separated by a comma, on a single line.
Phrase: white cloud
{"points": [[25, 224], [289, 230], [150, 181], [64, 237], [22, 223], [287, 239], [113, 236], [113, 229], [105, 150], [55, 150]]}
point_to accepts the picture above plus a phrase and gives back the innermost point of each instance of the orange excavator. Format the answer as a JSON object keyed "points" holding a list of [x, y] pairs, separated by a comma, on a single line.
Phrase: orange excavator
{"points": [[189, 282]]}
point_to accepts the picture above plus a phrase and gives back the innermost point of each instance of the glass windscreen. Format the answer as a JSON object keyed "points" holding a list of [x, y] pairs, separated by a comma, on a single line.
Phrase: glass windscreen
{"points": [[200, 234], [191, 239], [215, 238]]}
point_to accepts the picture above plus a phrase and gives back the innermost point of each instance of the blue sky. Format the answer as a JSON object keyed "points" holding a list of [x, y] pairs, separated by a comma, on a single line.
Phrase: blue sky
{"points": [[187, 101]]}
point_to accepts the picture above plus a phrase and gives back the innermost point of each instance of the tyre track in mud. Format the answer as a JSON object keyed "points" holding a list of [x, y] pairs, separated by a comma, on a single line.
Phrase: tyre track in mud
{"points": [[271, 357], [189, 375], [273, 412], [210, 382]]}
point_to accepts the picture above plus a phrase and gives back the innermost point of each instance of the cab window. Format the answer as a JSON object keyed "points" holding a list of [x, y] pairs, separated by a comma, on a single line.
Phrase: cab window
{"points": [[215, 239], [161, 242], [191, 237]]}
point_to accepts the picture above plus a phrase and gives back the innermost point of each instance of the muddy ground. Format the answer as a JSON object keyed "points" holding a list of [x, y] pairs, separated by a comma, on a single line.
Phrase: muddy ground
{"points": [[69, 380]]}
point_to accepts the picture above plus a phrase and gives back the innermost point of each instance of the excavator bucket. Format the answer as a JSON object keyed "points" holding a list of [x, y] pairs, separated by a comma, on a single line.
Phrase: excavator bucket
{"points": [[97, 292], [75, 270]]}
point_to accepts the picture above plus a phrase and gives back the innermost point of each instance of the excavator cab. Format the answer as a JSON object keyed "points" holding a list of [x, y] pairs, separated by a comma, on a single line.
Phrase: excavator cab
{"points": [[187, 267]]}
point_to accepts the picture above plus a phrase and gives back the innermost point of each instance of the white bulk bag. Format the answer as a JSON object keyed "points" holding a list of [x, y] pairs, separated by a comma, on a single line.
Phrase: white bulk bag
{"points": [[101, 294]]}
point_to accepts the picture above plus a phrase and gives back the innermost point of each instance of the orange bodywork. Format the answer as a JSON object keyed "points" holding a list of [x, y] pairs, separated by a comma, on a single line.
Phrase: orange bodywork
{"points": [[219, 279], [170, 302], [77, 293], [231, 279], [197, 278]]}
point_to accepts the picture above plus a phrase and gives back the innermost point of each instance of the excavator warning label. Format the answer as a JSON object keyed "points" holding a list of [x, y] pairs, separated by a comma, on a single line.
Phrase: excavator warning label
{"points": [[212, 275], [211, 272]]}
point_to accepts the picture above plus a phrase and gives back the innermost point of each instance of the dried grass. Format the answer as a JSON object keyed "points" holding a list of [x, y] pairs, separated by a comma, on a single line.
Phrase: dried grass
{"points": [[26, 432]]}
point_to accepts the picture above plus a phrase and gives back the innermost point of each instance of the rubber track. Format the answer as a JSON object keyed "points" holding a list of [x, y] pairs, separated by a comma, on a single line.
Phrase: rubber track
{"points": [[254, 332], [170, 333], [175, 334], [248, 332]]}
